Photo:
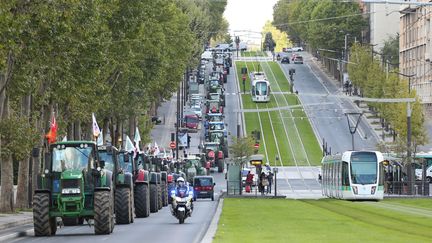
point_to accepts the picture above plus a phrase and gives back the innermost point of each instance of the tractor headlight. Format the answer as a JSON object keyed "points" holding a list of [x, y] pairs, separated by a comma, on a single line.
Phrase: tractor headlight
{"points": [[71, 191]]}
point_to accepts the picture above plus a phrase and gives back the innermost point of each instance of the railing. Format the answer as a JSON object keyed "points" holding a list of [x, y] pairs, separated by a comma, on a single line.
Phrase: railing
{"points": [[401, 188]]}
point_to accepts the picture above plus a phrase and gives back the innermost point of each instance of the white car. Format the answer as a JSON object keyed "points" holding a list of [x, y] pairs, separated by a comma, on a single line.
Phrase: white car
{"points": [[197, 110], [418, 173], [297, 48]]}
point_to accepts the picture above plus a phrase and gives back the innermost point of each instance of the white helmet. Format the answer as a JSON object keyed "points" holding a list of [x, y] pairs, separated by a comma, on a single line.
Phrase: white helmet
{"points": [[180, 179]]}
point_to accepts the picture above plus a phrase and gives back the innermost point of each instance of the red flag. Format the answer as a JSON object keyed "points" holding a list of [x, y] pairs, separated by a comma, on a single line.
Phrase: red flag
{"points": [[51, 136]]}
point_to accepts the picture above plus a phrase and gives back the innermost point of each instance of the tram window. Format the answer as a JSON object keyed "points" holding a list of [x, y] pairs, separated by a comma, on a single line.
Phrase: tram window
{"points": [[364, 168], [261, 89], [345, 177]]}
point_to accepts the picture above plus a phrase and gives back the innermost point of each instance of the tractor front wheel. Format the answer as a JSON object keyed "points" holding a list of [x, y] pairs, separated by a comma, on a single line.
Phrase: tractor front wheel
{"points": [[154, 198], [142, 200], [43, 224], [103, 223], [123, 205], [220, 165]]}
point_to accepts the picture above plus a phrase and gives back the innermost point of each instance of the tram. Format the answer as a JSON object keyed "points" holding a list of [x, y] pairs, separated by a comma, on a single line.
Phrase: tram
{"points": [[353, 175], [260, 87]]}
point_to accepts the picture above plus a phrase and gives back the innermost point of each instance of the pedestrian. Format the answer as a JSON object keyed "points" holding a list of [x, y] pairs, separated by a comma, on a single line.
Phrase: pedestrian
{"points": [[263, 182], [270, 182], [249, 181]]}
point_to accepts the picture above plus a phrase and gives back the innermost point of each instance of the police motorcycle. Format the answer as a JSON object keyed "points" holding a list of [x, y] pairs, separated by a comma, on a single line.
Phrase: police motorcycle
{"points": [[181, 206]]}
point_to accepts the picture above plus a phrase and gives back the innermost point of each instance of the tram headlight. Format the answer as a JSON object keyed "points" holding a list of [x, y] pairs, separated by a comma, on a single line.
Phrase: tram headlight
{"points": [[355, 190], [373, 189]]}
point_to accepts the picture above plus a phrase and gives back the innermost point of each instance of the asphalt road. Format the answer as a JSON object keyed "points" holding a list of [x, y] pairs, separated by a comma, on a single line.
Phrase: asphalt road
{"points": [[159, 227], [329, 121]]}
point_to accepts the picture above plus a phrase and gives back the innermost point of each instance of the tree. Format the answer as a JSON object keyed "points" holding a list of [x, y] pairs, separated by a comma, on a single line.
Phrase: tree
{"points": [[269, 44], [390, 50], [279, 37], [241, 149]]}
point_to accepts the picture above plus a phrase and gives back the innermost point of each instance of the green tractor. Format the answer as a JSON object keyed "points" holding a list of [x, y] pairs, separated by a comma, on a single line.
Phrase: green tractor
{"points": [[74, 185], [219, 137], [124, 185], [193, 167]]}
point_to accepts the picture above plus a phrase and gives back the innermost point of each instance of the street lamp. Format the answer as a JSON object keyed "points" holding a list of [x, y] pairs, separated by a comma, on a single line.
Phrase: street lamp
{"points": [[353, 128], [409, 76]]}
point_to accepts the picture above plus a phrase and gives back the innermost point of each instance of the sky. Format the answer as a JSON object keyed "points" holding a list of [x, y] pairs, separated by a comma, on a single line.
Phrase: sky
{"points": [[248, 14]]}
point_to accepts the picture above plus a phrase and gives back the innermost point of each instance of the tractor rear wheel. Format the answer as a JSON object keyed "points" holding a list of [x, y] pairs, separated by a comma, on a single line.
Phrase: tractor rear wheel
{"points": [[154, 198], [41, 220], [123, 205], [103, 223], [142, 200]]}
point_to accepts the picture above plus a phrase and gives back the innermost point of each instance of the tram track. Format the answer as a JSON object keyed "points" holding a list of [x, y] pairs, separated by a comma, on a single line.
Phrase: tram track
{"points": [[275, 139], [287, 135]]}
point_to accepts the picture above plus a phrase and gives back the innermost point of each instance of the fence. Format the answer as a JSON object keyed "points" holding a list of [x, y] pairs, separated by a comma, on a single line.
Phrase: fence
{"points": [[400, 188]]}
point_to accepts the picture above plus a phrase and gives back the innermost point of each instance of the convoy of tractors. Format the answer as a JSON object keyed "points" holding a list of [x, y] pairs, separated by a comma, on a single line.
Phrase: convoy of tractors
{"points": [[101, 185]]}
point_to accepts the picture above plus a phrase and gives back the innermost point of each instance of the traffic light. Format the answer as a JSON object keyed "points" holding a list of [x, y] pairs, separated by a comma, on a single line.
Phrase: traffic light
{"points": [[237, 40], [172, 136]]}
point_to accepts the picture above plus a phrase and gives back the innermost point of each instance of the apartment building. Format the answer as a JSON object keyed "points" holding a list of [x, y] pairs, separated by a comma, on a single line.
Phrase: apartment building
{"points": [[415, 50]]}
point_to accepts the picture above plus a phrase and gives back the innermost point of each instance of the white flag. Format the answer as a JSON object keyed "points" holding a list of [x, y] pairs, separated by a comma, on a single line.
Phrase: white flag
{"points": [[137, 139], [96, 130], [156, 149], [129, 145], [100, 140], [64, 139]]}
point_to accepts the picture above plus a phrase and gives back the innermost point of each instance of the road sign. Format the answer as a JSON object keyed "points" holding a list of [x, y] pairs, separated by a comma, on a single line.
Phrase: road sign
{"points": [[256, 146], [172, 145]]}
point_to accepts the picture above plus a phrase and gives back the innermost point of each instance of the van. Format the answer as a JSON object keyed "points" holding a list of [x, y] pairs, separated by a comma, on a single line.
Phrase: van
{"points": [[203, 187]]}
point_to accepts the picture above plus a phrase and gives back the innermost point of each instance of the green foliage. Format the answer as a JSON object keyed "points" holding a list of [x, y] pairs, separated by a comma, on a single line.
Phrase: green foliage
{"points": [[114, 58], [390, 51], [269, 44], [367, 75], [21, 135], [242, 148], [321, 24]]}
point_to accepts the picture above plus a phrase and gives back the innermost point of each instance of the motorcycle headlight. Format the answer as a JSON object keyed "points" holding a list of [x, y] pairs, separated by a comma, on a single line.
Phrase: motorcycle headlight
{"points": [[71, 191]]}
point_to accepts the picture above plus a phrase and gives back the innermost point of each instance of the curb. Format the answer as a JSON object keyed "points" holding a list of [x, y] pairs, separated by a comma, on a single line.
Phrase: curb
{"points": [[211, 231]]}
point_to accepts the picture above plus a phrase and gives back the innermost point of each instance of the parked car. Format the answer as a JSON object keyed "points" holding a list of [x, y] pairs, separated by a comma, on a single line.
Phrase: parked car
{"points": [[298, 60], [297, 48], [203, 187], [285, 60]]}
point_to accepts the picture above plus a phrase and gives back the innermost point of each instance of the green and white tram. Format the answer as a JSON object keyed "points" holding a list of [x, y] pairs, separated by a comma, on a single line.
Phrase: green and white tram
{"points": [[353, 175], [260, 87]]}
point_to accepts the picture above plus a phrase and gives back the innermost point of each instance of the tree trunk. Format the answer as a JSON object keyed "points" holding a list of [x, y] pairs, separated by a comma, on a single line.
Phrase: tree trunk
{"points": [[119, 133], [70, 131], [23, 167], [132, 125], [105, 128], [77, 131], [6, 193]]}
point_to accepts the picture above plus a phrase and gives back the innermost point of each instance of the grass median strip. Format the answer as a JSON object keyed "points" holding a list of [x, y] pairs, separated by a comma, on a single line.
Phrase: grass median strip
{"points": [[294, 136], [327, 220]]}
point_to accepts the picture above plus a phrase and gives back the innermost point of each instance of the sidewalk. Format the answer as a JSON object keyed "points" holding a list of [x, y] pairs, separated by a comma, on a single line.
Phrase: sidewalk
{"points": [[371, 118], [15, 219]]}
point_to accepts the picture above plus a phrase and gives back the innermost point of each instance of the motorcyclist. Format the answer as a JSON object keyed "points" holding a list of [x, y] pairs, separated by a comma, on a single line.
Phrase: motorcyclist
{"points": [[182, 190]]}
